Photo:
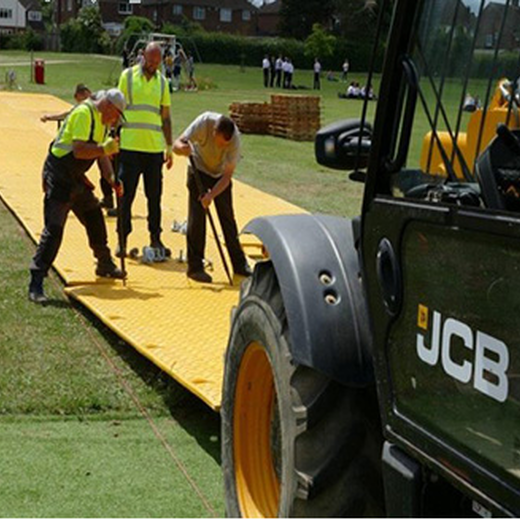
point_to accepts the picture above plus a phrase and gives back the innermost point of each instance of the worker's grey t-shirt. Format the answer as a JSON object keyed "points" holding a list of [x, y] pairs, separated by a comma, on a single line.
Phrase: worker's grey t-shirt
{"points": [[208, 157]]}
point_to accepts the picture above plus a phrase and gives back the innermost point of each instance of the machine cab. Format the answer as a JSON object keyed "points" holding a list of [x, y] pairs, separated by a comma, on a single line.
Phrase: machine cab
{"points": [[440, 243]]}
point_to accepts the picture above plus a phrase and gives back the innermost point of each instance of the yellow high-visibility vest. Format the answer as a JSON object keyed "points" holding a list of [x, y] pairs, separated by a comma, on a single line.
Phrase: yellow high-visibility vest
{"points": [[142, 130], [83, 123]]}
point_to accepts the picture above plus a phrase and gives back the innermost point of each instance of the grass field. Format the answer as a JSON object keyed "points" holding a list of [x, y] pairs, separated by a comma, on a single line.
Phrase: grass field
{"points": [[89, 428]]}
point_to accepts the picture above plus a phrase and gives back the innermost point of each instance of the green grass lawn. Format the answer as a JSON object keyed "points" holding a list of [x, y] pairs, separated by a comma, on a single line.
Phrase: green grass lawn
{"points": [[88, 427], [91, 427], [280, 166]]}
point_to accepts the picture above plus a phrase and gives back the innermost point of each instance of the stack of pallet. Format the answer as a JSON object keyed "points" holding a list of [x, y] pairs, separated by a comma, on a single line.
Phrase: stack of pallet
{"points": [[251, 118], [292, 117], [295, 117]]}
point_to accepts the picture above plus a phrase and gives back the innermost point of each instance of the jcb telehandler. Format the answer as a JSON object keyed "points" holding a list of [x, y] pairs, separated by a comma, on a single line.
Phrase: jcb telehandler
{"points": [[373, 365]]}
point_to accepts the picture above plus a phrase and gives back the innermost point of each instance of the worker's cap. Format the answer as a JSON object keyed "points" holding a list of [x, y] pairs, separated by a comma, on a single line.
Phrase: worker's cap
{"points": [[115, 97]]}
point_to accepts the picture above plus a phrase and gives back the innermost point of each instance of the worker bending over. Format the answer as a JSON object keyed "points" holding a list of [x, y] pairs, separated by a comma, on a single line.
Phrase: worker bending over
{"points": [[215, 142], [82, 93], [82, 139], [146, 141]]}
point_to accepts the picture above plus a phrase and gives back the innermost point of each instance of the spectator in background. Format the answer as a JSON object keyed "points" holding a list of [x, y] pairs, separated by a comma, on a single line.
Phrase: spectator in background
{"points": [[168, 67], [140, 57], [290, 73], [285, 64], [177, 67], [266, 65], [272, 71], [344, 69], [317, 74], [367, 92], [278, 68], [190, 66], [125, 58], [353, 90]]}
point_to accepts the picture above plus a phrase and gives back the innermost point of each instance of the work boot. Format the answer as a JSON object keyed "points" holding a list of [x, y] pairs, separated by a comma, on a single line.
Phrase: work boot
{"points": [[107, 269], [36, 293], [156, 243], [200, 276], [245, 270]]}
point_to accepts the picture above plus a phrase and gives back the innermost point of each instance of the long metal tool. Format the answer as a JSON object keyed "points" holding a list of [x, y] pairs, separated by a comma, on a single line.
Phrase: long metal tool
{"points": [[200, 188], [120, 237]]}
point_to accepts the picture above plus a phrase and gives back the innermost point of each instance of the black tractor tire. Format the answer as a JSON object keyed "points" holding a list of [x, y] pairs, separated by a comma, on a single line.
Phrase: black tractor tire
{"points": [[294, 442]]}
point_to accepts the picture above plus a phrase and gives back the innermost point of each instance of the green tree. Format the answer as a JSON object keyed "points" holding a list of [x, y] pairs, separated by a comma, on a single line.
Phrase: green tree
{"points": [[85, 33], [356, 20], [134, 28], [319, 43], [298, 17]]}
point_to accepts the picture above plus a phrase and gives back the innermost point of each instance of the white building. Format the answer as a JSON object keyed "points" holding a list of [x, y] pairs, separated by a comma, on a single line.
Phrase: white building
{"points": [[17, 15]]}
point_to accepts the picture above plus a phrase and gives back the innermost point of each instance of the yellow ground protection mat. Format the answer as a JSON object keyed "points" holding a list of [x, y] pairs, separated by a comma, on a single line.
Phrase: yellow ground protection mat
{"points": [[179, 325]]}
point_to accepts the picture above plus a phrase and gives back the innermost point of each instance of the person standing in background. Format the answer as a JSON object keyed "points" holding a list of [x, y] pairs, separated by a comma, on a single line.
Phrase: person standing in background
{"points": [[278, 69], [317, 73], [345, 68], [290, 73], [266, 65], [272, 71]]}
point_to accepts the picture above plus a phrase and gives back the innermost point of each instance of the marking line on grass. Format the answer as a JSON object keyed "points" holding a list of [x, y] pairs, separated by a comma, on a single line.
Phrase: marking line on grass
{"points": [[144, 413]]}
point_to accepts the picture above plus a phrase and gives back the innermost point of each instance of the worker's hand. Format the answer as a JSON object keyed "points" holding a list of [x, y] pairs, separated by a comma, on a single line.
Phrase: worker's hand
{"points": [[183, 148], [206, 200], [118, 189], [168, 156], [44, 118], [110, 146]]}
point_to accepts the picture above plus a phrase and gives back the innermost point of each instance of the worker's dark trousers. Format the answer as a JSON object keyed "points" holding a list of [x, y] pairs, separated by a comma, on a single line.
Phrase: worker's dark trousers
{"points": [[196, 235], [266, 78], [86, 208], [278, 78], [316, 81], [106, 189], [131, 165]]}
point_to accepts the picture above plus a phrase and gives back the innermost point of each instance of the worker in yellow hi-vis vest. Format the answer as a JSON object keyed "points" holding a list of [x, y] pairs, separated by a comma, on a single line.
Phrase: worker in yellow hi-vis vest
{"points": [[146, 142]]}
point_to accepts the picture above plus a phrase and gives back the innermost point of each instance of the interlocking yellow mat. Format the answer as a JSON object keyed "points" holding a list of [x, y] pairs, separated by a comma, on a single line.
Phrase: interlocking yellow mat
{"points": [[180, 325]]}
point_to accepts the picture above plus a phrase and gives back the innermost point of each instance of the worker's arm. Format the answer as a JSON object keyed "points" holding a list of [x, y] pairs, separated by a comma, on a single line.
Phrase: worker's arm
{"points": [[219, 187], [107, 171], [54, 117], [181, 146], [85, 150], [167, 131]]}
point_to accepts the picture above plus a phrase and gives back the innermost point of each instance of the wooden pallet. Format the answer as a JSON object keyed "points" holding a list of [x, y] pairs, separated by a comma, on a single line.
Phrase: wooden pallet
{"points": [[294, 117]]}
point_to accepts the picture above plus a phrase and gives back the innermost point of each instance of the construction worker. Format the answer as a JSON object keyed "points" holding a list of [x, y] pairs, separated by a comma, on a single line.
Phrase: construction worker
{"points": [[146, 142], [214, 141], [81, 93], [82, 139]]}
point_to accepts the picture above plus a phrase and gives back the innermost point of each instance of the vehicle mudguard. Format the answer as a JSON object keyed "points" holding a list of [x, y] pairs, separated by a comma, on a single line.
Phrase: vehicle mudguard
{"points": [[318, 269]]}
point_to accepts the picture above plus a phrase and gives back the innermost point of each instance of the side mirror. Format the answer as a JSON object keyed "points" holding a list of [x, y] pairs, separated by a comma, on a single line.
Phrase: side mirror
{"points": [[344, 145]]}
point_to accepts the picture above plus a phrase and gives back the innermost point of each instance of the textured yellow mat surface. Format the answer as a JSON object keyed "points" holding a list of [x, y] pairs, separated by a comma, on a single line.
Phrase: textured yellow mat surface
{"points": [[180, 325]]}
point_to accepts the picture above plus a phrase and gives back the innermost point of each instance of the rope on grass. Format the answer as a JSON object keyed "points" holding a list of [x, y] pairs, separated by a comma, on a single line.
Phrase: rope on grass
{"points": [[144, 412]]}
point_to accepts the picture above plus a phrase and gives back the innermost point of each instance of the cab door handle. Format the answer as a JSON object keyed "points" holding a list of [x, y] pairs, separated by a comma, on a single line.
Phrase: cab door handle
{"points": [[389, 276]]}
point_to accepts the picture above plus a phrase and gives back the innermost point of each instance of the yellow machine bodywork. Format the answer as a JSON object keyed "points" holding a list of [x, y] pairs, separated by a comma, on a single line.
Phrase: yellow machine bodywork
{"points": [[468, 142]]}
